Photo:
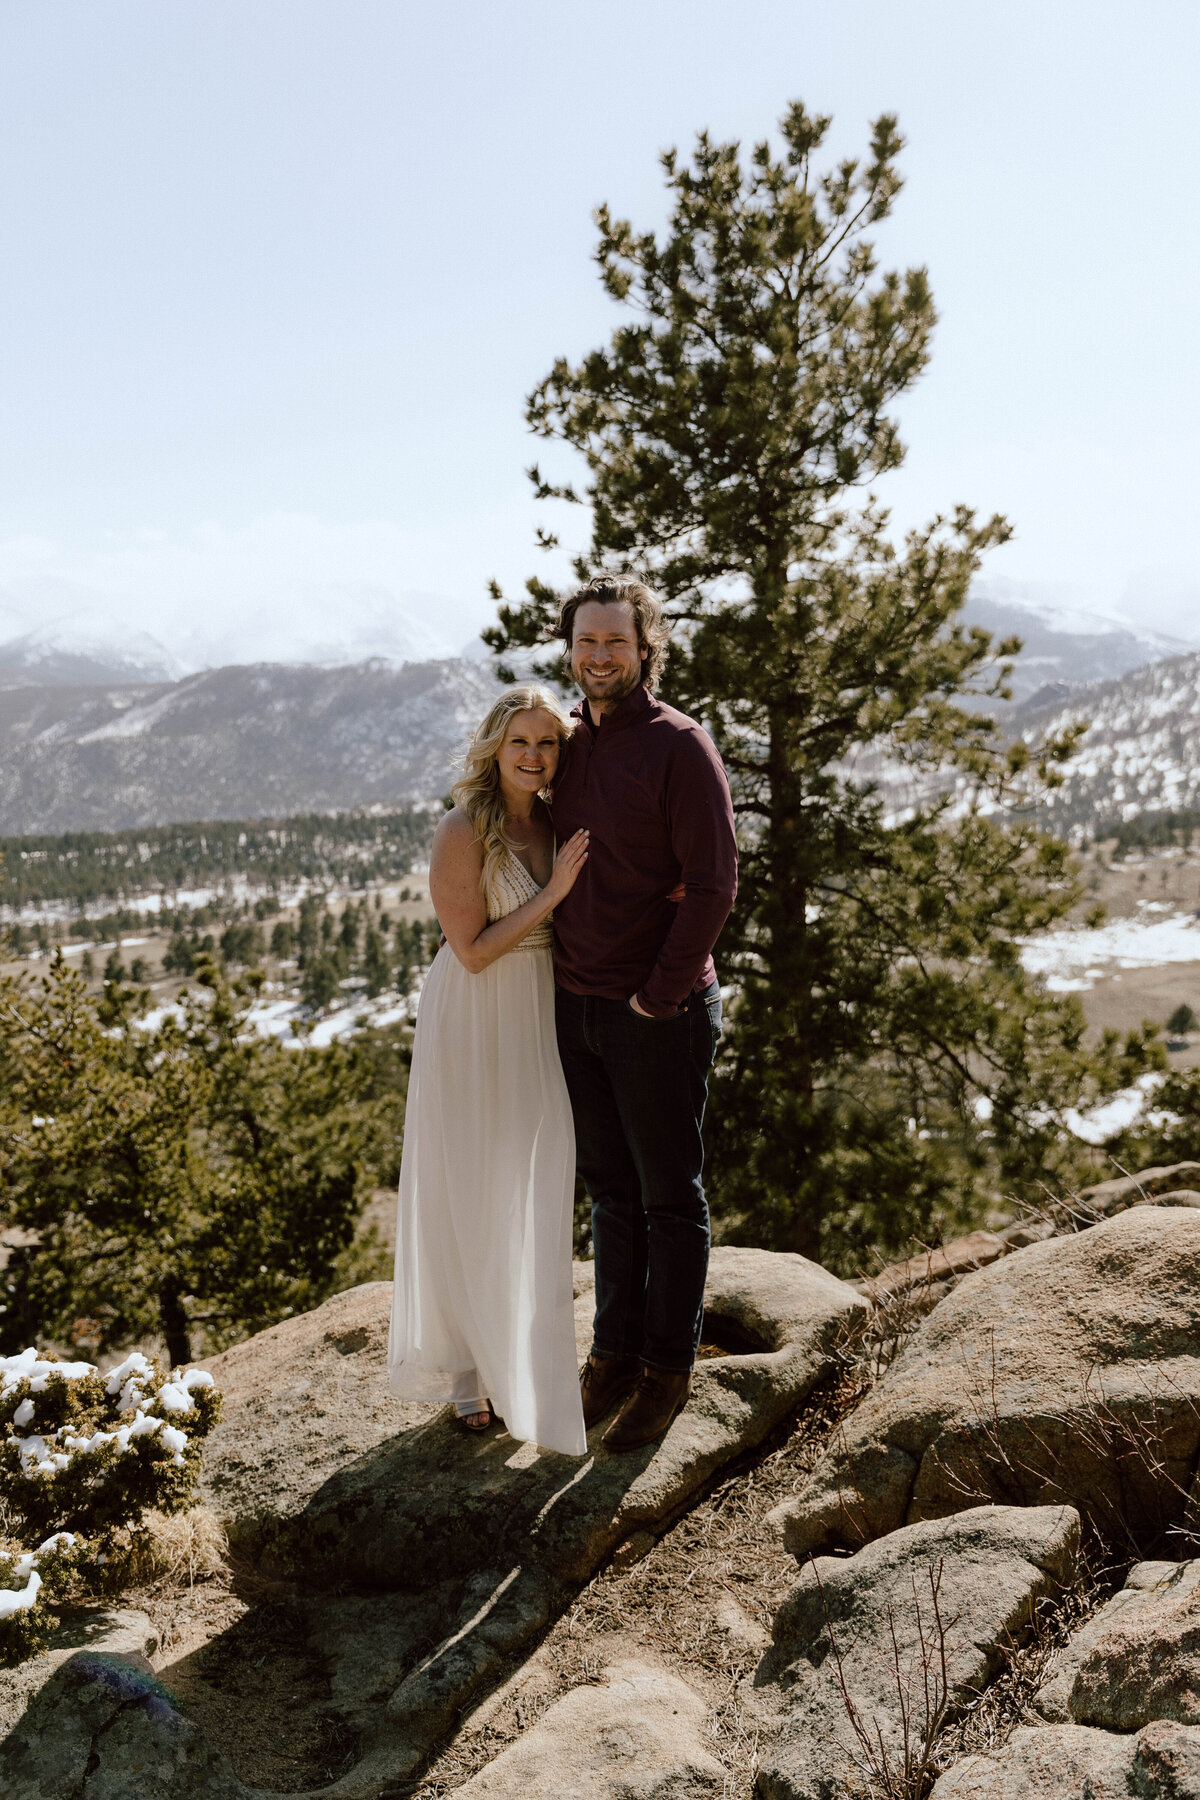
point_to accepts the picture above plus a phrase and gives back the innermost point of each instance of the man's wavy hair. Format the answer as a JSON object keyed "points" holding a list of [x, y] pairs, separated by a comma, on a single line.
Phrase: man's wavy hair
{"points": [[653, 631]]}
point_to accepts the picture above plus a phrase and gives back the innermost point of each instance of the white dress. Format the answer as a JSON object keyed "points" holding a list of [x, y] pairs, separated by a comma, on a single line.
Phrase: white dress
{"points": [[483, 1300]]}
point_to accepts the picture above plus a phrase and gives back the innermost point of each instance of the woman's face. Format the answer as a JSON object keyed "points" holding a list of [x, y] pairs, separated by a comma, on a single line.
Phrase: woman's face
{"points": [[528, 757]]}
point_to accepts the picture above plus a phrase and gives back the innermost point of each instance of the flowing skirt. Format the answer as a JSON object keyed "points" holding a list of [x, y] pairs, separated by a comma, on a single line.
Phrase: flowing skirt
{"points": [[483, 1301]]}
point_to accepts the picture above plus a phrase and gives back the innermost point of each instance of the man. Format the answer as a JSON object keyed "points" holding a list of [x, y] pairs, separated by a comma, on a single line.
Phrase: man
{"points": [[638, 1006]]}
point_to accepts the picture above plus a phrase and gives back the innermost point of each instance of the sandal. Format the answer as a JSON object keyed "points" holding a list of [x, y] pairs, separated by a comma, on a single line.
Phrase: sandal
{"points": [[481, 1419]]}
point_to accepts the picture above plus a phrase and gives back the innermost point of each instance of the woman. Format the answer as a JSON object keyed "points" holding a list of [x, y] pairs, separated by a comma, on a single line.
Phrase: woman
{"points": [[483, 1314]]}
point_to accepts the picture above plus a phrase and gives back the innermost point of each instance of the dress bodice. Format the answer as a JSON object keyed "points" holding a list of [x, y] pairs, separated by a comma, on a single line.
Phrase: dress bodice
{"points": [[513, 886]]}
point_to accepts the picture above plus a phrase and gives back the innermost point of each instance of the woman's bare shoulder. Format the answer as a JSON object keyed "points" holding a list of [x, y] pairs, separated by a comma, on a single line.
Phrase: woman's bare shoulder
{"points": [[455, 835]]}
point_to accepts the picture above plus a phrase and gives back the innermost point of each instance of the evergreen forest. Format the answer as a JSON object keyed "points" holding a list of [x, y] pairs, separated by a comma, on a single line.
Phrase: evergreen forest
{"points": [[83, 868]]}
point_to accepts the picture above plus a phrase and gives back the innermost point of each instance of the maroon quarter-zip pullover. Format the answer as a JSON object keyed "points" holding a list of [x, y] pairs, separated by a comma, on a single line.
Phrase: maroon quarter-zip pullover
{"points": [[649, 786]]}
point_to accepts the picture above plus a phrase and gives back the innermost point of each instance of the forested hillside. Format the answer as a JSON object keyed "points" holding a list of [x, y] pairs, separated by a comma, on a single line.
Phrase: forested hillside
{"points": [[84, 868], [1141, 751]]}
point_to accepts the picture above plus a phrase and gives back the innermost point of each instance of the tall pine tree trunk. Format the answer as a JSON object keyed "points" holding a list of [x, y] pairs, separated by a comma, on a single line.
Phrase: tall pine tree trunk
{"points": [[174, 1321], [788, 970]]}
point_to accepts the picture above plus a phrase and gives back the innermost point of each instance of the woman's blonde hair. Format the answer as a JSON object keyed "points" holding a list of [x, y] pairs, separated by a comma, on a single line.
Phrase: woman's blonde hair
{"points": [[477, 791]]}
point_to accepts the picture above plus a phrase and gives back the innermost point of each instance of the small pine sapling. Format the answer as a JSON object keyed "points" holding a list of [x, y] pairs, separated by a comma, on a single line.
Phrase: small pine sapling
{"points": [[83, 1457]]}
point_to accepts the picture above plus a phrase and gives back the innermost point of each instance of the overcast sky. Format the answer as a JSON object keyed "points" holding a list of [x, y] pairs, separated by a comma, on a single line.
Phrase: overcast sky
{"points": [[277, 277]]}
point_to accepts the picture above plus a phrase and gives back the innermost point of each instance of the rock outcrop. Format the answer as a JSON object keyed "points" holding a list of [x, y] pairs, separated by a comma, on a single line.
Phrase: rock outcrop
{"points": [[874, 1651], [456, 1551], [301, 1401], [102, 1729], [1073, 1762], [1068, 1372], [118, 1634], [1137, 1659], [1056, 1379], [639, 1735], [1123, 1701], [1172, 1185], [931, 1269]]}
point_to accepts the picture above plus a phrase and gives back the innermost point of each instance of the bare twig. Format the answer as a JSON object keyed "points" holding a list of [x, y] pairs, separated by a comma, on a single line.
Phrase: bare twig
{"points": [[901, 1763]]}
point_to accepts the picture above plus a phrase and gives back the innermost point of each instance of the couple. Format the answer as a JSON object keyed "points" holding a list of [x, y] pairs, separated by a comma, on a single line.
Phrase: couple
{"points": [[584, 1043]]}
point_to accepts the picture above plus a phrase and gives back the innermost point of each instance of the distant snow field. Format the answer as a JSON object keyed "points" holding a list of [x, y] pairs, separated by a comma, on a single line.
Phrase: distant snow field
{"points": [[1119, 1111], [1075, 958], [280, 1018], [233, 887], [287, 1019]]}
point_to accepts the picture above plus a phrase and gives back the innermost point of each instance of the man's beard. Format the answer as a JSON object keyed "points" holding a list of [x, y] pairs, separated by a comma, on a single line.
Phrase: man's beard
{"points": [[610, 691]]}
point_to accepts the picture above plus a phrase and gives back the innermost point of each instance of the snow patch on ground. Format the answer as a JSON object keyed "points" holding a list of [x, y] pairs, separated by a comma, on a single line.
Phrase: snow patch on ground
{"points": [[287, 1019], [230, 890], [1100, 1123], [1075, 958]]}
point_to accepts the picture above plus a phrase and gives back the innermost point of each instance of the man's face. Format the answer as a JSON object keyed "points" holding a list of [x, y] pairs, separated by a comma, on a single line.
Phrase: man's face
{"points": [[605, 658]]}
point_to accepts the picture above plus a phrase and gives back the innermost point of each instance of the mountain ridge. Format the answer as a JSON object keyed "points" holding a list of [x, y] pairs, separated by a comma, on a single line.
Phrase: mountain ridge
{"points": [[245, 741], [1065, 643], [1141, 751], [64, 643], [262, 739]]}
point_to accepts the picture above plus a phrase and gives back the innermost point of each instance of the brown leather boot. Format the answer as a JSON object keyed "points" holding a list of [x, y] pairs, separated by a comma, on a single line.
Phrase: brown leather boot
{"points": [[658, 1396], [603, 1381]]}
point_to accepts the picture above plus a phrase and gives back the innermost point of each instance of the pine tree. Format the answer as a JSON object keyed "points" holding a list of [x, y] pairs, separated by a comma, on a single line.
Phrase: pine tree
{"points": [[375, 963], [889, 1064], [193, 1177], [283, 940], [319, 982]]}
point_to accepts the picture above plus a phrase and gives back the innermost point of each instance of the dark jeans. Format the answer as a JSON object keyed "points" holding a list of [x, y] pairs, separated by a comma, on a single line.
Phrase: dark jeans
{"points": [[638, 1088]]}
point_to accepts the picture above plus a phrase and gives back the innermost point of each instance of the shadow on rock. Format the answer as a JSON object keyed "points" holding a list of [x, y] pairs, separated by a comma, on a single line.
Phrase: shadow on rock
{"points": [[101, 1729], [430, 1559]]}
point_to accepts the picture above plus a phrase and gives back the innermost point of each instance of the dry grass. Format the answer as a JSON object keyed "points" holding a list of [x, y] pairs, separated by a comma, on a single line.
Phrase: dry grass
{"points": [[180, 1575], [176, 1550]]}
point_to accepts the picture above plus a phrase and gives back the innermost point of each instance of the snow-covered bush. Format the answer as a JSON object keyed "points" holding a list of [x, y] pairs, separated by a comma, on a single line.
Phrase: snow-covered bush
{"points": [[59, 1566], [83, 1456]]}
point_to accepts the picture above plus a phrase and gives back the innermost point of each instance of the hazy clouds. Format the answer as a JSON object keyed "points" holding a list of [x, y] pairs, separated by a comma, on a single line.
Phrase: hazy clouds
{"points": [[284, 588]]}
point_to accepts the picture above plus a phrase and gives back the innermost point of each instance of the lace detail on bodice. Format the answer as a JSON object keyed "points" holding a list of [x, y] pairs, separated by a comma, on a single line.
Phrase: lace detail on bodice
{"points": [[512, 886]]}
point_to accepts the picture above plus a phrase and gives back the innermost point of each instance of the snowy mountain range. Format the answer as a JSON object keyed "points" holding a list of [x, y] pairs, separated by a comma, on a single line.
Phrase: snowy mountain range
{"points": [[1141, 752], [83, 652], [60, 641], [241, 742], [101, 729], [1063, 643]]}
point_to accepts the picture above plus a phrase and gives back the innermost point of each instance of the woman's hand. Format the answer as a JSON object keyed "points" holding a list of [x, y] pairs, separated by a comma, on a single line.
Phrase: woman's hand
{"points": [[567, 865]]}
